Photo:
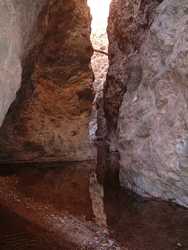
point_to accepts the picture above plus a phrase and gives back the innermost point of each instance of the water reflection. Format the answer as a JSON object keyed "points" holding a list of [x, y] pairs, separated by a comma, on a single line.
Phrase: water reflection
{"points": [[87, 212], [97, 197]]}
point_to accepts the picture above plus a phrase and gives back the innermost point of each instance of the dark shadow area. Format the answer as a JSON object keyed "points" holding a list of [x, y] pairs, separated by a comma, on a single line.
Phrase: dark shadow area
{"points": [[16, 233], [141, 224]]}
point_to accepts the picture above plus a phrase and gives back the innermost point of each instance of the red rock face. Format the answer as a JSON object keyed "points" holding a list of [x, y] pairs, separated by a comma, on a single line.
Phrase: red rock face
{"points": [[49, 119]]}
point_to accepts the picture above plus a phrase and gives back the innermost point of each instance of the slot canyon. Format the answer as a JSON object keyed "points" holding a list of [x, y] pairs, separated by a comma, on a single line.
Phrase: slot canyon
{"points": [[93, 124]]}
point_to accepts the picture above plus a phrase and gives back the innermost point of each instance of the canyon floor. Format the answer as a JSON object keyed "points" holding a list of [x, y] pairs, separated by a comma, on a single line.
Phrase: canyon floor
{"points": [[62, 206], [55, 206]]}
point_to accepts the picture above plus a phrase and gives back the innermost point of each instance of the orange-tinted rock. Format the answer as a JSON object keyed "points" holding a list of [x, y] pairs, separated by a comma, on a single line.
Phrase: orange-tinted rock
{"points": [[49, 119]]}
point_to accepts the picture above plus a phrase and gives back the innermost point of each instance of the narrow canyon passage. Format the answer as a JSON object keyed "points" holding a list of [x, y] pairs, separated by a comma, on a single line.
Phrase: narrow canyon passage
{"points": [[99, 61], [55, 192], [99, 39]]}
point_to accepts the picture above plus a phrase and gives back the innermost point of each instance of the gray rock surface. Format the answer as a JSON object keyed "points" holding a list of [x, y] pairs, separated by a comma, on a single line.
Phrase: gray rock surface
{"points": [[17, 19], [151, 135]]}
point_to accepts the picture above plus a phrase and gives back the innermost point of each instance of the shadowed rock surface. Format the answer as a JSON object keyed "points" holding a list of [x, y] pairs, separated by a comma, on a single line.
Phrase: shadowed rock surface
{"points": [[49, 119], [145, 97], [17, 22]]}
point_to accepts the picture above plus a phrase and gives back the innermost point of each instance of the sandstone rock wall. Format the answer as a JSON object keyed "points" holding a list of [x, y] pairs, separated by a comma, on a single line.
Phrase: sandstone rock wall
{"points": [[49, 119], [146, 96], [17, 20]]}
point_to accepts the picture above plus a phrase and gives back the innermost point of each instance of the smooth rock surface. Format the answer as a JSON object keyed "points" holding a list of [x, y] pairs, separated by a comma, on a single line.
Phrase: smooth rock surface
{"points": [[49, 119], [146, 96], [17, 20]]}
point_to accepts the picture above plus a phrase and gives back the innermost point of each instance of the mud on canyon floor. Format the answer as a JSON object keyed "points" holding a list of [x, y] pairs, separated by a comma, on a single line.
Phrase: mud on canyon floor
{"points": [[62, 206]]}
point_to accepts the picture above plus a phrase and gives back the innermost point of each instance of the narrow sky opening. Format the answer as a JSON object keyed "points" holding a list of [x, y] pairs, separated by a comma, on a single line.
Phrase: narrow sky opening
{"points": [[99, 12]]}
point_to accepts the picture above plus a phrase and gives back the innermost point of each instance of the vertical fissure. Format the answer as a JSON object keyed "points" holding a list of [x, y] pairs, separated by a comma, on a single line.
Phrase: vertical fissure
{"points": [[99, 61]]}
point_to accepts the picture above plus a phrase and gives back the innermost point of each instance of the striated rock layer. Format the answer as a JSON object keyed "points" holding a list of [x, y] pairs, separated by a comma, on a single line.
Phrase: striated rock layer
{"points": [[146, 96], [49, 118]]}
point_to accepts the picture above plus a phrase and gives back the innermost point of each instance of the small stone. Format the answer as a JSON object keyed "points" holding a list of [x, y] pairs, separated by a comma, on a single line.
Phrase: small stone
{"points": [[179, 244]]}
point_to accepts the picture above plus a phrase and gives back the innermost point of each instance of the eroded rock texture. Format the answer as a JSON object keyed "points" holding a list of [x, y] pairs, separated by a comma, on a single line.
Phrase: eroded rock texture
{"points": [[49, 119], [146, 96]]}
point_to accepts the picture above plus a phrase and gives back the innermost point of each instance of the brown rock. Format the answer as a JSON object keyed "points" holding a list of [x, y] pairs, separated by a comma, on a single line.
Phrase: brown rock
{"points": [[49, 119]]}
